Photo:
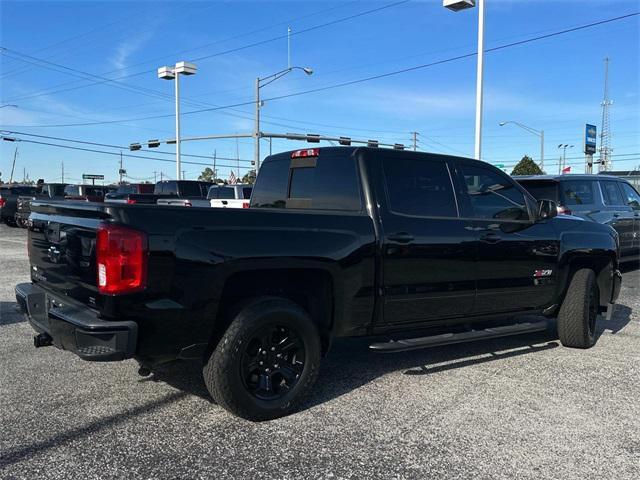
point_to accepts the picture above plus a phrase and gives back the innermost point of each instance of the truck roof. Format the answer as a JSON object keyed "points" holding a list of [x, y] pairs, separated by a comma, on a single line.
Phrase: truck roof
{"points": [[566, 176], [352, 149]]}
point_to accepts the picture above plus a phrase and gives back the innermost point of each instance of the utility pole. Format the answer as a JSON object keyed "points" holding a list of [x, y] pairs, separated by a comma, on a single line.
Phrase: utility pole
{"points": [[182, 178], [238, 157], [13, 166], [155, 177], [62, 168], [605, 134], [414, 136], [215, 172], [479, 81], [120, 171], [161, 176], [256, 148]]}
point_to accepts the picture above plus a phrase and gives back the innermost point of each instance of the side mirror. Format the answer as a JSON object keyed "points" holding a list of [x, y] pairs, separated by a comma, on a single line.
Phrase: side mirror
{"points": [[547, 209]]}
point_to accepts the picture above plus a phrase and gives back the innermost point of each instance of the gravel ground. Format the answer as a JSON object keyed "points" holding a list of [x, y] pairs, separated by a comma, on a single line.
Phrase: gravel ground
{"points": [[520, 407]]}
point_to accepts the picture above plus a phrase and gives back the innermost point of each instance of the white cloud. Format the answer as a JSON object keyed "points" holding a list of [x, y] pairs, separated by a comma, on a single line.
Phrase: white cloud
{"points": [[127, 48]]}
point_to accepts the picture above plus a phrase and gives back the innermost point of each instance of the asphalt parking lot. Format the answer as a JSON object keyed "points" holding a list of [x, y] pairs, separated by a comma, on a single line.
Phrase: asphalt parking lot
{"points": [[520, 407]]}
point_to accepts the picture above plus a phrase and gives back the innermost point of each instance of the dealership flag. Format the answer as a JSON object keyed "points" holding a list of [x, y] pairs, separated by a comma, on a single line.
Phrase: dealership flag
{"points": [[232, 178], [564, 170]]}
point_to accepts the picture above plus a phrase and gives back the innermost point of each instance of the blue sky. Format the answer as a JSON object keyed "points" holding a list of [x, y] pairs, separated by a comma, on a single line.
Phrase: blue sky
{"points": [[553, 84]]}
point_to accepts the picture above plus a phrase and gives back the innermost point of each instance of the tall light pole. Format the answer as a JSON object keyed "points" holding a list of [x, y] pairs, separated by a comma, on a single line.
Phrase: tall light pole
{"points": [[456, 6], [262, 82], [173, 73], [563, 159], [539, 133]]}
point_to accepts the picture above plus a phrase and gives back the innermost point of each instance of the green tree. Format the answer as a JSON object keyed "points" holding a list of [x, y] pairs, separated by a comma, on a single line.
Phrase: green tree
{"points": [[527, 166], [207, 175], [249, 177]]}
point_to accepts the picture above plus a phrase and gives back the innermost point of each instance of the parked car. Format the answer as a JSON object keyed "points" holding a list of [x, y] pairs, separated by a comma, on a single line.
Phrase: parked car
{"points": [[172, 192], [598, 198], [230, 196], [338, 242], [43, 192], [123, 193], [185, 193], [89, 193], [9, 201]]}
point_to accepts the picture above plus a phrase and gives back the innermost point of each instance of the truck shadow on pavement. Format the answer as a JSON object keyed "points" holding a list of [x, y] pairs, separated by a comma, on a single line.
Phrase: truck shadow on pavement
{"points": [[351, 365], [10, 313]]}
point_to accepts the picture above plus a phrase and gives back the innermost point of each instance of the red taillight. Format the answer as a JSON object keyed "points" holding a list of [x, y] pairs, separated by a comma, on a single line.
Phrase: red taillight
{"points": [[307, 152], [245, 204], [121, 259], [563, 210], [3, 202], [131, 201]]}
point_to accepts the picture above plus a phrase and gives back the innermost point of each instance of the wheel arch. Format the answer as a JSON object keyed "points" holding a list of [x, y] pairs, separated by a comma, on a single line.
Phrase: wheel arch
{"points": [[311, 288]]}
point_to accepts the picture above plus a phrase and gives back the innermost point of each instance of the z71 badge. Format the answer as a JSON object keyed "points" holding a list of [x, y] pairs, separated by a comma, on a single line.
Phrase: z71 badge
{"points": [[542, 273]]}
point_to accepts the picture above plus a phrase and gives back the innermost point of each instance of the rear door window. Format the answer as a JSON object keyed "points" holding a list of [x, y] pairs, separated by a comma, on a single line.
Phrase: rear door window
{"points": [[578, 192], [493, 196], [541, 190], [190, 189], [611, 194], [213, 193], [246, 193], [631, 196], [419, 187], [72, 190]]}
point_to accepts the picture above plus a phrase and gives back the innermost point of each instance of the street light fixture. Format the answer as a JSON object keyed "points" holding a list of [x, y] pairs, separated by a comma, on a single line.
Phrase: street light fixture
{"points": [[456, 6], [173, 73], [563, 160], [539, 133], [262, 82]]}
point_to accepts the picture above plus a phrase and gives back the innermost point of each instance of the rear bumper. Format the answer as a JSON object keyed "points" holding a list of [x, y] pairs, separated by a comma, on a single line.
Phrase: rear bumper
{"points": [[76, 328]]}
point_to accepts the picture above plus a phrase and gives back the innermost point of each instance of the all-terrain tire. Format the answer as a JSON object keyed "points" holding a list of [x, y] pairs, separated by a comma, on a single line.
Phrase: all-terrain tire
{"points": [[223, 372], [579, 311]]}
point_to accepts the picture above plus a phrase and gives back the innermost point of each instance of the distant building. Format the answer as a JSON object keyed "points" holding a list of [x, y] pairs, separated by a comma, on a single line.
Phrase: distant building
{"points": [[632, 176]]}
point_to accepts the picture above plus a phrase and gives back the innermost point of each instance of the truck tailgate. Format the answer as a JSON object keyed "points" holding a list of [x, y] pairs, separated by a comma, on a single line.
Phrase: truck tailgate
{"points": [[62, 248]]}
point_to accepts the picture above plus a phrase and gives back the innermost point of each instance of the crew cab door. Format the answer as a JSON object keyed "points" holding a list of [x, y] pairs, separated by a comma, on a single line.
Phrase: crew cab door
{"points": [[427, 251], [619, 215], [515, 268]]}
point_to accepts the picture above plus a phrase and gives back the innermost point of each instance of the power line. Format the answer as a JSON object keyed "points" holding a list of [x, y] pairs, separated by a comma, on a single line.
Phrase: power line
{"points": [[224, 52], [118, 154], [121, 147], [361, 80]]}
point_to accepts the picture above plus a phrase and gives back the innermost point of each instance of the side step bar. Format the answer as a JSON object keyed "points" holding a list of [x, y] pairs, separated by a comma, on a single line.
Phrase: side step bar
{"points": [[451, 338]]}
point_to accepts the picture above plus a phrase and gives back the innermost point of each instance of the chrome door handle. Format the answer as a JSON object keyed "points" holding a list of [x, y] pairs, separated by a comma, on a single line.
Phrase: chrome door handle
{"points": [[401, 237], [490, 237]]}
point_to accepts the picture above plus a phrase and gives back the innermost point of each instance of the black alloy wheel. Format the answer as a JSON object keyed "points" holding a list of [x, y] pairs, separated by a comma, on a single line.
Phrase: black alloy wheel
{"points": [[272, 362]]}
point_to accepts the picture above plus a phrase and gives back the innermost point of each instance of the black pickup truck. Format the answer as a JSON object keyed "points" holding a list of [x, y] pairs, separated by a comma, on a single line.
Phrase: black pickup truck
{"points": [[9, 201], [45, 191], [337, 242]]}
